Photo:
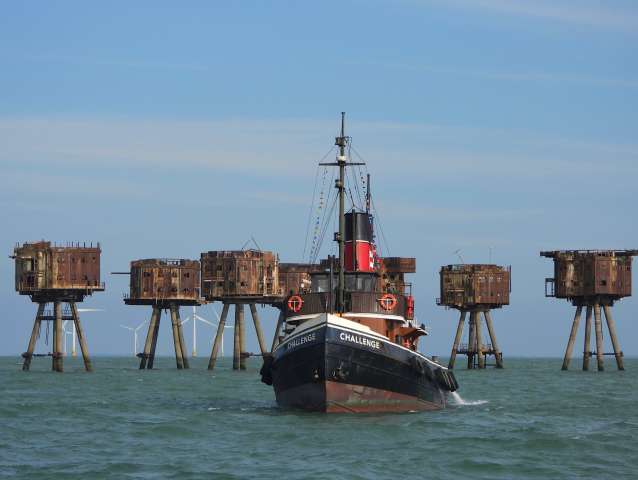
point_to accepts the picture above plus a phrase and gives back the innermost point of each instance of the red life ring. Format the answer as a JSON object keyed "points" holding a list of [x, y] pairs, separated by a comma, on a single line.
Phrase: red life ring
{"points": [[388, 302], [294, 303]]}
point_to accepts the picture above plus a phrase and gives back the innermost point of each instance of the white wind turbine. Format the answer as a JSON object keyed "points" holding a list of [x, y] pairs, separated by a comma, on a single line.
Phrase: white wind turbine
{"points": [[135, 330], [65, 333], [73, 333], [196, 317], [225, 326]]}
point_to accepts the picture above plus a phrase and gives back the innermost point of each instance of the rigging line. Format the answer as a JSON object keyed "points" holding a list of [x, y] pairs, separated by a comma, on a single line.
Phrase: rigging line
{"points": [[350, 188], [381, 230], [350, 192], [322, 206], [325, 226], [326, 223], [352, 201], [314, 192], [314, 239], [315, 250], [355, 179]]}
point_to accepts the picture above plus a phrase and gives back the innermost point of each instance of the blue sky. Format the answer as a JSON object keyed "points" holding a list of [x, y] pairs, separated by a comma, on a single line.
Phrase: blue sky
{"points": [[165, 130]]}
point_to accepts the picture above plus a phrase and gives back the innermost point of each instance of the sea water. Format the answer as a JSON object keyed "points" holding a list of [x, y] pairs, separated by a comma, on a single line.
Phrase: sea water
{"points": [[530, 420]]}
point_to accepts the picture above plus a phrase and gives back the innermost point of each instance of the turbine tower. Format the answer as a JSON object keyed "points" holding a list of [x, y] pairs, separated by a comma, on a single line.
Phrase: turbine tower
{"points": [[134, 330], [196, 317]]}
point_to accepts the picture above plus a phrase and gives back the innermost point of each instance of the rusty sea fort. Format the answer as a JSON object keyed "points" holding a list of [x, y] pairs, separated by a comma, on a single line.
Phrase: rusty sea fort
{"points": [[529, 421]]}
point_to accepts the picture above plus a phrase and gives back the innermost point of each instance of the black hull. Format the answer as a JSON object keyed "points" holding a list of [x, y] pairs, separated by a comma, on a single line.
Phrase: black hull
{"points": [[331, 367]]}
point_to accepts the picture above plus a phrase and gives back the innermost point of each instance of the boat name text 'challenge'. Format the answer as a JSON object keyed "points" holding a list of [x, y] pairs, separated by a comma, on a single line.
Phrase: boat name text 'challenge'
{"points": [[360, 340], [300, 340]]}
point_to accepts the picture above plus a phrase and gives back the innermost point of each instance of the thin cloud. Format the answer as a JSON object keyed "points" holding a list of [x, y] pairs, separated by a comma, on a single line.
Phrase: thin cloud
{"points": [[472, 241], [513, 76], [292, 148], [27, 206], [117, 63], [37, 183], [280, 197], [438, 213], [601, 14]]}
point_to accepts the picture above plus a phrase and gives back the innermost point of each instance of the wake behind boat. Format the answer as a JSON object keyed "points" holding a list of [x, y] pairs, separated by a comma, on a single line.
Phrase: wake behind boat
{"points": [[350, 337]]}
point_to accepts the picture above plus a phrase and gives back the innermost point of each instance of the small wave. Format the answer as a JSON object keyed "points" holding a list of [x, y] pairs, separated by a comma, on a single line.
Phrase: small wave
{"points": [[459, 401]]}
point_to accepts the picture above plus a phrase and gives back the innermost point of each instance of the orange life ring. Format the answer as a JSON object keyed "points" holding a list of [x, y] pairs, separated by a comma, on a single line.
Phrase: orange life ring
{"points": [[388, 302], [294, 303]]}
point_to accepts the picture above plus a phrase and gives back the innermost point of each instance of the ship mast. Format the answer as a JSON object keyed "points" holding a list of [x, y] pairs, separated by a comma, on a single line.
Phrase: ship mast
{"points": [[341, 160], [340, 236]]}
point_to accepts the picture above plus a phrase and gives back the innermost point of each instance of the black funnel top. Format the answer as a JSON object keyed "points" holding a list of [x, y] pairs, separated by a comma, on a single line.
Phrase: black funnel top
{"points": [[361, 229]]}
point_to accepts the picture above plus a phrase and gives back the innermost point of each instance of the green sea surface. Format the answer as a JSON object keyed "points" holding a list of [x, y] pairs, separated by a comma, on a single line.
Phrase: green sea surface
{"points": [[530, 420]]}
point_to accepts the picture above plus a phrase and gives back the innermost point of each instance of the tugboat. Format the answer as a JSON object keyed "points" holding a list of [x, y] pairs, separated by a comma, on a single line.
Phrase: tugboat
{"points": [[350, 341]]}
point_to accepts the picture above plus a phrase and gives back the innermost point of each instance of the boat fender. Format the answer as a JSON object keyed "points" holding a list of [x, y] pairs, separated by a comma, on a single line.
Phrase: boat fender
{"points": [[268, 359], [442, 379], [417, 366], [427, 371], [449, 381], [453, 382], [265, 372]]}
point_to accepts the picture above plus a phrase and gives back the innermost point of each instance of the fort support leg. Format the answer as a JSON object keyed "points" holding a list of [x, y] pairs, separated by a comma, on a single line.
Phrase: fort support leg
{"points": [[151, 355], [260, 336], [57, 335], [178, 348], [479, 341], [149, 338], [497, 355], [218, 337], [471, 342], [614, 341], [236, 343], [599, 338], [275, 340], [34, 337], [587, 338], [459, 332], [54, 360], [78, 330], [180, 334], [572, 337], [242, 338]]}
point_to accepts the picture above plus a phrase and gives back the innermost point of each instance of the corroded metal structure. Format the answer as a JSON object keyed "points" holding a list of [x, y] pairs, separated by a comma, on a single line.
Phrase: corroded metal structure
{"points": [[242, 274], [56, 274], [591, 279], [164, 284], [475, 289], [237, 278], [295, 278], [393, 270]]}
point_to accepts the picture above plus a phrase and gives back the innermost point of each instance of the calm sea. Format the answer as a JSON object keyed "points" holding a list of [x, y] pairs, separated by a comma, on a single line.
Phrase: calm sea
{"points": [[528, 421]]}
